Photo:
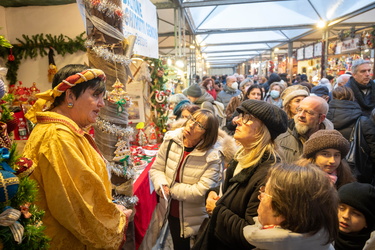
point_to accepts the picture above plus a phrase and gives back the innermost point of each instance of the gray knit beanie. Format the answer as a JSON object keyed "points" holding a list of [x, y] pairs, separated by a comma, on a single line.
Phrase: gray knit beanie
{"points": [[272, 116], [194, 91], [293, 91], [323, 139]]}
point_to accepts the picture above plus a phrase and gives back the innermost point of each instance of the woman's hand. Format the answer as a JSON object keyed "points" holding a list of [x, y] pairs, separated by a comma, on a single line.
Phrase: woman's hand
{"points": [[211, 202], [166, 191], [127, 212]]}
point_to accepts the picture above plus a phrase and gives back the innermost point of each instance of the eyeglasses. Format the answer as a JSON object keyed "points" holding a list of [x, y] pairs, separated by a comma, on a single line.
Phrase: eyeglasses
{"points": [[309, 112], [245, 118], [196, 123], [262, 193]]}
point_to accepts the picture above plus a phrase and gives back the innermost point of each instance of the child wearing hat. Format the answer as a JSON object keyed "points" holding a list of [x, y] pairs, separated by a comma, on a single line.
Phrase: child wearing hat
{"points": [[356, 216], [327, 149]]}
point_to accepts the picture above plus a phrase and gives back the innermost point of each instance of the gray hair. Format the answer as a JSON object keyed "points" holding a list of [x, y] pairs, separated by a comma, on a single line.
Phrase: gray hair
{"points": [[176, 98], [357, 63]]}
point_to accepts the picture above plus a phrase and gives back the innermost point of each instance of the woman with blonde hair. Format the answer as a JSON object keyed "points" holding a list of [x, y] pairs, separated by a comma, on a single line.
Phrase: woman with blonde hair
{"points": [[297, 210], [258, 124]]}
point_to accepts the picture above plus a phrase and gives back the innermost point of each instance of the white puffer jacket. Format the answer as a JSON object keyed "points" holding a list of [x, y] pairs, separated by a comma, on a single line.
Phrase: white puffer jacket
{"points": [[200, 171]]}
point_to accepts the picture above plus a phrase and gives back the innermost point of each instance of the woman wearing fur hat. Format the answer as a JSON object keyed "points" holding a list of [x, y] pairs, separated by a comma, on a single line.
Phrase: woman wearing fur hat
{"points": [[189, 162], [291, 97], [356, 216], [327, 149], [258, 124]]}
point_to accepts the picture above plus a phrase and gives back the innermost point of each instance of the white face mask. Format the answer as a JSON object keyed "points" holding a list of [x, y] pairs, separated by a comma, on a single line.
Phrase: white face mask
{"points": [[275, 94], [234, 85]]}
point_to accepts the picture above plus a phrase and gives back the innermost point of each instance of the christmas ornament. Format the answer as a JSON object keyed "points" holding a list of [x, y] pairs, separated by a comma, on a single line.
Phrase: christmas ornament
{"points": [[141, 136], [8, 185], [107, 127], [152, 134], [118, 96], [25, 167], [52, 69], [122, 153]]}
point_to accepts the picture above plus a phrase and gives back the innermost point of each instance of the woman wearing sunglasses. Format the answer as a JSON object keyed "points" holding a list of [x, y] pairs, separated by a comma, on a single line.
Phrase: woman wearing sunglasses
{"points": [[189, 162], [258, 124]]}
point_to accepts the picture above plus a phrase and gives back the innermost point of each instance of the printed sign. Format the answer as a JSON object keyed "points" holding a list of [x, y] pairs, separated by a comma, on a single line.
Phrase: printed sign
{"points": [[140, 20], [300, 54], [318, 49]]}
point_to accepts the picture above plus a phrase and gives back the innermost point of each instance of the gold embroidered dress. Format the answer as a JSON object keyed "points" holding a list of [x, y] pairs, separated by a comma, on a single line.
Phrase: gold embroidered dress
{"points": [[74, 187]]}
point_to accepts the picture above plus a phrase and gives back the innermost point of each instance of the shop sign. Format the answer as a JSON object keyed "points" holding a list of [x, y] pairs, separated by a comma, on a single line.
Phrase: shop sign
{"points": [[309, 52], [300, 54], [348, 45], [318, 49], [140, 20]]}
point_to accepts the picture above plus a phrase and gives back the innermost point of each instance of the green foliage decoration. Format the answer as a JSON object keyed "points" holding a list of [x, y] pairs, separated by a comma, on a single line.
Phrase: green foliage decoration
{"points": [[159, 71], [38, 45]]}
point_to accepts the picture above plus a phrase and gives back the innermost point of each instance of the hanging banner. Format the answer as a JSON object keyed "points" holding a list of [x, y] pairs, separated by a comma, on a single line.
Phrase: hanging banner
{"points": [[309, 52], [348, 45], [300, 54], [318, 49], [140, 20]]}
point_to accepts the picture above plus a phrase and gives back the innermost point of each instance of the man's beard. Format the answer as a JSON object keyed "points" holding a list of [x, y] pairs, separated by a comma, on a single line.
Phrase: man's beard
{"points": [[302, 129]]}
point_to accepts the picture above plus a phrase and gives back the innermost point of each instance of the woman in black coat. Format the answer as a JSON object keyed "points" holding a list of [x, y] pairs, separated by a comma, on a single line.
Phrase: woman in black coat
{"points": [[258, 124], [343, 110]]}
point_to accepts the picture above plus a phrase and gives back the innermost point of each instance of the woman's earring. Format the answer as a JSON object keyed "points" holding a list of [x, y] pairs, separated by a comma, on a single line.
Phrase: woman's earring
{"points": [[70, 105]]}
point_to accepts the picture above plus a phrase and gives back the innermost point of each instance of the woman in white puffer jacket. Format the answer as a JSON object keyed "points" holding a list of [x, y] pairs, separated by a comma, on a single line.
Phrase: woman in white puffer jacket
{"points": [[189, 162]]}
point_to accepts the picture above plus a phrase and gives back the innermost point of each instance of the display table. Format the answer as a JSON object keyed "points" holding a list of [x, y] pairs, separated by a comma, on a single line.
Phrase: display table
{"points": [[145, 206]]}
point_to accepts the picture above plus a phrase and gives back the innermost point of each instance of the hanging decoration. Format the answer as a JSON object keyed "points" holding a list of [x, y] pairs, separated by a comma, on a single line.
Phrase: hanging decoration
{"points": [[52, 69], [158, 96], [107, 127], [109, 9], [38, 45], [119, 96]]}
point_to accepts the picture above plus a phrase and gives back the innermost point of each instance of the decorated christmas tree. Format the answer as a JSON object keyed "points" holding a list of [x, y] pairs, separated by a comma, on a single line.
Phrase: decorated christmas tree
{"points": [[20, 220]]}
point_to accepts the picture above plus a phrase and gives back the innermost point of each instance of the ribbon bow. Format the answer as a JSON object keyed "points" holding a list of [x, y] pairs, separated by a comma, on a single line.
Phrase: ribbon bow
{"points": [[9, 218], [4, 154]]}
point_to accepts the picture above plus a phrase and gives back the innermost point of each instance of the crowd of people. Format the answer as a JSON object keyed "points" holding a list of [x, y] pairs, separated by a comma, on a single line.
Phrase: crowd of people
{"points": [[283, 188], [247, 163]]}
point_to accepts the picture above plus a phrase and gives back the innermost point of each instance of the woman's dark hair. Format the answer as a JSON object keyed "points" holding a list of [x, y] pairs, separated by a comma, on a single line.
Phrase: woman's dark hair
{"points": [[305, 198], [254, 86], [274, 78], [211, 123], [78, 89], [190, 107], [343, 93], [207, 81]]}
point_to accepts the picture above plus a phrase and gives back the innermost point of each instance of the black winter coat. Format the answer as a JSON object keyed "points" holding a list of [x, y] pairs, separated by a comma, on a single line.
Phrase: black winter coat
{"points": [[344, 114], [238, 206]]}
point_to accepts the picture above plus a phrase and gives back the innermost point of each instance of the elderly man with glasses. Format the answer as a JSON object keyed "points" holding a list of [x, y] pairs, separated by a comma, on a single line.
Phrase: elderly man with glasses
{"points": [[310, 117]]}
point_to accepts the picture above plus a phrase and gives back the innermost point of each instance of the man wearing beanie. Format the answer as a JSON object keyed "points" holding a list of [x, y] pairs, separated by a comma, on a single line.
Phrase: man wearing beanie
{"points": [[356, 216], [309, 118], [230, 90]]}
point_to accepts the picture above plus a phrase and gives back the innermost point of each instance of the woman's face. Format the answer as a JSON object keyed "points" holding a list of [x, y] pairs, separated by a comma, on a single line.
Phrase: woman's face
{"points": [[265, 212], [328, 160], [294, 103], [276, 87], [194, 129], [247, 128], [255, 94], [185, 114], [86, 107], [350, 219]]}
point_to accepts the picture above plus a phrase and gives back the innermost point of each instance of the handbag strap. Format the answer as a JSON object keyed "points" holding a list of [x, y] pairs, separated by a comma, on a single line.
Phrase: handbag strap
{"points": [[354, 129]]}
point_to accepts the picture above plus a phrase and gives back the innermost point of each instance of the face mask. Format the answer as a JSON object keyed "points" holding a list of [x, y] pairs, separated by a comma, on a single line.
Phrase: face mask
{"points": [[275, 94], [234, 85]]}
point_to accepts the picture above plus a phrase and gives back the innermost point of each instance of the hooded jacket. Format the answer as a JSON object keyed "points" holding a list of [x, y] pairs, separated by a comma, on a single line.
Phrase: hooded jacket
{"points": [[226, 94], [344, 114]]}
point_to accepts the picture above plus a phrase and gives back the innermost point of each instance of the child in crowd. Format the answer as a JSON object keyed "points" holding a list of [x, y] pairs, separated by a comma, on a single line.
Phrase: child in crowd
{"points": [[356, 216], [327, 149]]}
